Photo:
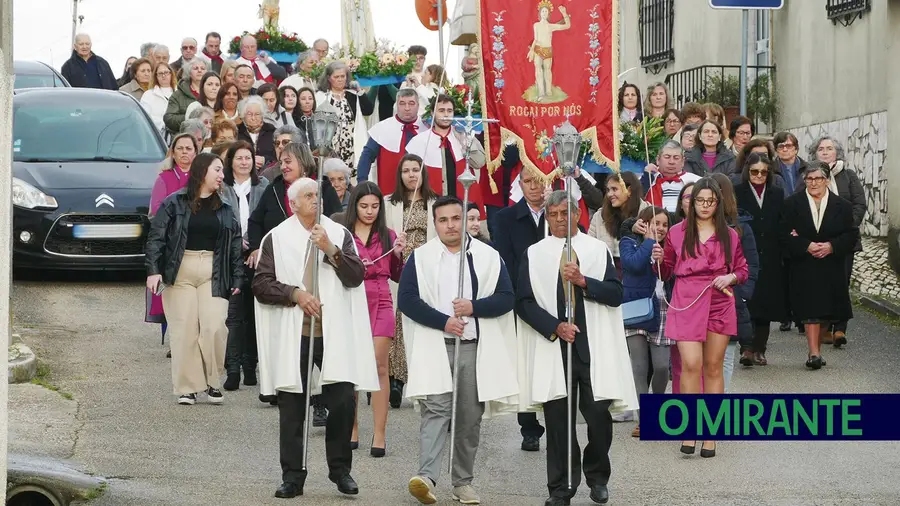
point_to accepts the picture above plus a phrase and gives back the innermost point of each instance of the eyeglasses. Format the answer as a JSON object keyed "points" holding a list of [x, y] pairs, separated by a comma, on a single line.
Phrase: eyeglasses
{"points": [[185, 48], [166, 73], [706, 202], [283, 142], [785, 146], [759, 172], [673, 121], [744, 133], [814, 180]]}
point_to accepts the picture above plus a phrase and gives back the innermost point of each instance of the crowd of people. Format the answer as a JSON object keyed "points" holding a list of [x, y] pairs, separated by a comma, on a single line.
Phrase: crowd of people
{"points": [[679, 276]]}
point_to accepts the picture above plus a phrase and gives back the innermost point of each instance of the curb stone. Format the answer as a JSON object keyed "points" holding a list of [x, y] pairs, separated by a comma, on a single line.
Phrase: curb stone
{"points": [[880, 305], [21, 364]]}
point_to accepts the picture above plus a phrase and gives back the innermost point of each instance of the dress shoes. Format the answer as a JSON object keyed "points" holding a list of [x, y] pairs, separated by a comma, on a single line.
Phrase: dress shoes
{"points": [[346, 485], [600, 494], [288, 490], [531, 444], [557, 501]]}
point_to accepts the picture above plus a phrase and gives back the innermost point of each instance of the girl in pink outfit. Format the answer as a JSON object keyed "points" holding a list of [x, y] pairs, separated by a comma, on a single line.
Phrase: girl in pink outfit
{"points": [[705, 256], [381, 251], [172, 177]]}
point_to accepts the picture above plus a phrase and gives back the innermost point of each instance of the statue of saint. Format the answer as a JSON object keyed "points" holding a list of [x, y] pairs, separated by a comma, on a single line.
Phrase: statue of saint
{"points": [[471, 67], [269, 12], [357, 29], [541, 54]]}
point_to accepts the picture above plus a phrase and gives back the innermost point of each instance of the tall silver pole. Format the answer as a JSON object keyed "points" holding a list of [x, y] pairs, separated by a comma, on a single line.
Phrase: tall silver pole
{"points": [[311, 249], [440, 20], [6, 230], [74, 20], [744, 48], [570, 318]]}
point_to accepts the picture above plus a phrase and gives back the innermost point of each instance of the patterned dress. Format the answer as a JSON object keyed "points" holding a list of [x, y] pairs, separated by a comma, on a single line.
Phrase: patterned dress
{"points": [[416, 235], [343, 141]]}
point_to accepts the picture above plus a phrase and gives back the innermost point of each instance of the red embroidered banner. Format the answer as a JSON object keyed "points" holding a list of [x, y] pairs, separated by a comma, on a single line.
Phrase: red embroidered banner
{"points": [[544, 60]]}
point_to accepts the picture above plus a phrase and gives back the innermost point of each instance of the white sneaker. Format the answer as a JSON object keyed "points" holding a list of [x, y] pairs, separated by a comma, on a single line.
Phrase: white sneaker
{"points": [[422, 489], [466, 495], [625, 416]]}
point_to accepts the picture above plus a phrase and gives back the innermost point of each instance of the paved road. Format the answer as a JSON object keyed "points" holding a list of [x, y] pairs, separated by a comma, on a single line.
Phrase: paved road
{"points": [[129, 428]]}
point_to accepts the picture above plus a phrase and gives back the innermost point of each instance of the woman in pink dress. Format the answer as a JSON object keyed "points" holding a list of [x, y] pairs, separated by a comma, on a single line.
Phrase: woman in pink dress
{"points": [[172, 177], [381, 251], [704, 254]]}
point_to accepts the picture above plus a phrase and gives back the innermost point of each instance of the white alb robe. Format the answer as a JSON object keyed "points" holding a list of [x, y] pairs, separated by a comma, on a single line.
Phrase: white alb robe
{"points": [[348, 353], [426, 353], [541, 374]]}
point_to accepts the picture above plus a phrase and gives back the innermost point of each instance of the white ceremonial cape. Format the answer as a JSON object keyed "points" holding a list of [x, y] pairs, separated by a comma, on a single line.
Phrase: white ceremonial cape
{"points": [[541, 374], [360, 129], [426, 353], [348, 354], [261, 65], [389, 136]]}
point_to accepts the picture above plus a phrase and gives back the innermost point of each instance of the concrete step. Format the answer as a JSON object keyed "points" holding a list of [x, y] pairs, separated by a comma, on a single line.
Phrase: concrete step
{"points": [[56, 481]]}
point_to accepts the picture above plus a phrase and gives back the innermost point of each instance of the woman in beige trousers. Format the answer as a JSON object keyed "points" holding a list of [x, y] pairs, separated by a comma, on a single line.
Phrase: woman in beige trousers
{"points": [[193, 257]]}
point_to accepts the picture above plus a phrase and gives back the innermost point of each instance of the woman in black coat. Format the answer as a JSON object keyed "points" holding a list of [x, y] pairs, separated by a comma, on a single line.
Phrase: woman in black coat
{"points": [[822, 234], [759, 195], [253, 129]]}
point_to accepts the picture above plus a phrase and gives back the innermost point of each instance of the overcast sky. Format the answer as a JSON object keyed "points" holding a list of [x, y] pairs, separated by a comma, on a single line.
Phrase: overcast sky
{"points": [[43, 28]]}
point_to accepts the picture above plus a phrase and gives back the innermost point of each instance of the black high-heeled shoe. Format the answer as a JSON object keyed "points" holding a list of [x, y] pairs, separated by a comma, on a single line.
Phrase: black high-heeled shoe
{"points": [[376, 452], [688, 449], [707, 453], [368, 398]]}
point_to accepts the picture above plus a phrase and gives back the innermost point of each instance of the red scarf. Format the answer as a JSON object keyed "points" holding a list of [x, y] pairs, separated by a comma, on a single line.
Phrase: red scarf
{"points": [[259, 76], [215, 59], [196, 94], [409, 131], [655, 195], [287, 200]]}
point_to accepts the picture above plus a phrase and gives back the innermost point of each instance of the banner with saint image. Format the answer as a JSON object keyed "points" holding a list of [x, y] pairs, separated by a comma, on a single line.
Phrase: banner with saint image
{"points": [[544, 61]]}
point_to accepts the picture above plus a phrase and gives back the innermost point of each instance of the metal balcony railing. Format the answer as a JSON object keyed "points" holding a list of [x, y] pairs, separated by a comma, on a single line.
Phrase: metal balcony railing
{"points": [[720, 84], [846, 11], [656, 19]]}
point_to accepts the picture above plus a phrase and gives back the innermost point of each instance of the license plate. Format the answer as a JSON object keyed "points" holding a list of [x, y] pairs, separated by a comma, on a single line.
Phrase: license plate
{"points": [[112, 231]]}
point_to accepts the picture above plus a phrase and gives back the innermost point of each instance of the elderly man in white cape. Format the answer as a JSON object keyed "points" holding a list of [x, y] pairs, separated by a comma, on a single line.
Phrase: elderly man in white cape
{"points": [[601, 368], [433, 316], [342, 340]]}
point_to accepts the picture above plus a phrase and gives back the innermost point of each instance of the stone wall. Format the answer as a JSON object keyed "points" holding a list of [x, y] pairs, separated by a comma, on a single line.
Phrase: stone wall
{"points": [[865, 141]]}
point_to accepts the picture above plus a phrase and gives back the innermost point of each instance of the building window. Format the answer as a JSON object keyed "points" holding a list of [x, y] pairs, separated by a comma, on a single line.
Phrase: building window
{"points": [[656, 19], [846, 12], [762, 37]]}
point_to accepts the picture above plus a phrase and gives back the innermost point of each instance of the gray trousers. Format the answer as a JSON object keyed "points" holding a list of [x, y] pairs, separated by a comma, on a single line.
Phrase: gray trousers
{"points": [[642, 353], [436, 421]]}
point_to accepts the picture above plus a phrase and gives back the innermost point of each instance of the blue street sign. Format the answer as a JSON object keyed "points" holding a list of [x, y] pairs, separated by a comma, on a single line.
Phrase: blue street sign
{"points": [[746, 4]]}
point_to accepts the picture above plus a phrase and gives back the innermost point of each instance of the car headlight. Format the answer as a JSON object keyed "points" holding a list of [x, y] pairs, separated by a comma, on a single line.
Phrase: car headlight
{"points": [[29, 197]]}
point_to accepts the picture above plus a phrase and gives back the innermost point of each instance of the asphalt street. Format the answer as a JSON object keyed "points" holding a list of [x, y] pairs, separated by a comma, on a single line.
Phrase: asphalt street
{"points": [[125, 425]]}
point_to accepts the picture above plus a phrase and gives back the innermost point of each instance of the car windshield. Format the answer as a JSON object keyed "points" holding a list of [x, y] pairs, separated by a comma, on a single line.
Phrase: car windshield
{"points": [[64, 130], [37, 81]]}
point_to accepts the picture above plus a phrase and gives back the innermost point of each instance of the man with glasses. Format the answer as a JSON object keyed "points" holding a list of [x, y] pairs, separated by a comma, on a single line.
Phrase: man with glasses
{"points": [[666, 179], [188, 51]]}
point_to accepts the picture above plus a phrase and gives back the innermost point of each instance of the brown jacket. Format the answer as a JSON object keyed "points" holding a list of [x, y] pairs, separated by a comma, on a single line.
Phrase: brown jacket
{"points": [[268, 290]]}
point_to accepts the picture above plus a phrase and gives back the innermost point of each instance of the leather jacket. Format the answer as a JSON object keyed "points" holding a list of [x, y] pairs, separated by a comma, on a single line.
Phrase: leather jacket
{"points": [[168, 236]]}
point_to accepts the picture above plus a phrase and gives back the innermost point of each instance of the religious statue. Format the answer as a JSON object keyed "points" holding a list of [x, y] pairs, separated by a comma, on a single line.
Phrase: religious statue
{"points": [[541, 54], [357, 30], [269, 11], [471, 67]]}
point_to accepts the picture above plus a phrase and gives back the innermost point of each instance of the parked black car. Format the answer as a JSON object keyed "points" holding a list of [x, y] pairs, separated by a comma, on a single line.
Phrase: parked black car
{"points": [[35, 74], [84, 162]]}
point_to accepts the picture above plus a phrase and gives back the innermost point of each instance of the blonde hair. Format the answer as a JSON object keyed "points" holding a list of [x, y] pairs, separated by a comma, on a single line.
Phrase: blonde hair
{"points": [[226, 66]]}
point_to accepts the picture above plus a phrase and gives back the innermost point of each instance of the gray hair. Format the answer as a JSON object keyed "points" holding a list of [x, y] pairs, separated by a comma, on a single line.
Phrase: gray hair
{"points": [[302, 57], [301, 152], [198, 112], [817, 166], [147, 48], [336, 165], [335, 66], [320, 40], [83, 35], [253, 100], [189, 39], [814, 147], [294, 132], [189, 126], [302, 184], [407, 93], [671, 144], [559, 197], [159, 48], [194, 61]]}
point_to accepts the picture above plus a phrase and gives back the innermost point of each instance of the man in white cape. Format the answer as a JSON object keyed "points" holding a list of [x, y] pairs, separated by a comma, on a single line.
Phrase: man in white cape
{"points": [[342, 340], [433, 317], [387, 143], [601, 368]]}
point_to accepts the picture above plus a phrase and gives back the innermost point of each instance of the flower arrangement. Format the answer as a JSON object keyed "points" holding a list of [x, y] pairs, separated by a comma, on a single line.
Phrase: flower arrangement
{"points": [[631, 140], [385, 62], [460, 95], [276, 42]]}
